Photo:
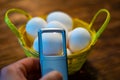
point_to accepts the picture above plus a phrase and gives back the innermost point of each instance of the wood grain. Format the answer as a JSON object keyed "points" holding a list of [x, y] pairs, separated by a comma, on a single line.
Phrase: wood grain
{"points": [[103, 62]]}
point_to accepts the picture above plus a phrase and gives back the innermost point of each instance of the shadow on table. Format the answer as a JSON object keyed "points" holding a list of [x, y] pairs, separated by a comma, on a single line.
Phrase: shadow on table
{"points": [[87, 72]]}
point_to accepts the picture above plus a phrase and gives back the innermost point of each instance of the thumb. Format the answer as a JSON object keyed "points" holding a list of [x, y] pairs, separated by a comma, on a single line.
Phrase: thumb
{"points": [[54, 75]]}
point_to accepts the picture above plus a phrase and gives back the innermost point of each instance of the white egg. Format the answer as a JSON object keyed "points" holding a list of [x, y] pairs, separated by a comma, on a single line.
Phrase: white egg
{"points": [[79, 39], [36, 45], [68, 52], [56, 24], [52, 43], [62, 17], [34, 25]]}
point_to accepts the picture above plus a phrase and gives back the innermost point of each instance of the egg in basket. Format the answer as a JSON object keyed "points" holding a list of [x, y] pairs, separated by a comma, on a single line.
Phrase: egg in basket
{"points": [[81, 36]]}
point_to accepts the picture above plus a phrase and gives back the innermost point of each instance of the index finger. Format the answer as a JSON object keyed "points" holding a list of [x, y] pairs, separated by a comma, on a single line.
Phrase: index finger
{"points": [[30, 64]]}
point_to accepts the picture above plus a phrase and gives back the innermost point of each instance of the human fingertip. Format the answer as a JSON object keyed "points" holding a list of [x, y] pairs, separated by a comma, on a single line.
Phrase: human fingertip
{"points": [[54, 75]]}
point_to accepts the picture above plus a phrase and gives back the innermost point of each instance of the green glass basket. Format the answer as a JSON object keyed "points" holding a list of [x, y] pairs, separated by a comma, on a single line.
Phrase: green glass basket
{"points": [[75, 60]]}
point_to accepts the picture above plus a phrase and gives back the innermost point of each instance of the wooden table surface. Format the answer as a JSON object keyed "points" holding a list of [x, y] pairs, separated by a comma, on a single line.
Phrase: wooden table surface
{"points": [[103, 63]]}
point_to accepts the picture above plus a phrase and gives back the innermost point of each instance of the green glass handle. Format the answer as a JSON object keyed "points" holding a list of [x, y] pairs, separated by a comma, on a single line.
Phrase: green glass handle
{"points": [[10, 24], [104, 25]]}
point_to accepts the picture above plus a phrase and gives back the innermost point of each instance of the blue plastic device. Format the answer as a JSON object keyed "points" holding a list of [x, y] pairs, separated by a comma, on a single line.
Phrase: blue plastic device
{"points": [[57, 62]]}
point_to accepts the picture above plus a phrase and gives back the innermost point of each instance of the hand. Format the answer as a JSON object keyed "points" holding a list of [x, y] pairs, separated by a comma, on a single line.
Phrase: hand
{"points": [[27, 69]]}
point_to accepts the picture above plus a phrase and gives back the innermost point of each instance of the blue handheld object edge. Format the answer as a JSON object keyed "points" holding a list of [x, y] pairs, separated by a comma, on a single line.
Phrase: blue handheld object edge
{"points": [[50, 63]]}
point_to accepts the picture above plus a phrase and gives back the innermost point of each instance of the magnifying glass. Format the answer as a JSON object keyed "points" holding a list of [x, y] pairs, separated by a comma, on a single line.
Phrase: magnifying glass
{"points": [[53, 61]]}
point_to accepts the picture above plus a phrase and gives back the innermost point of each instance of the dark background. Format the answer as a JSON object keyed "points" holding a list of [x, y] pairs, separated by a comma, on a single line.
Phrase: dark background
{"points": [[103, 63]]}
